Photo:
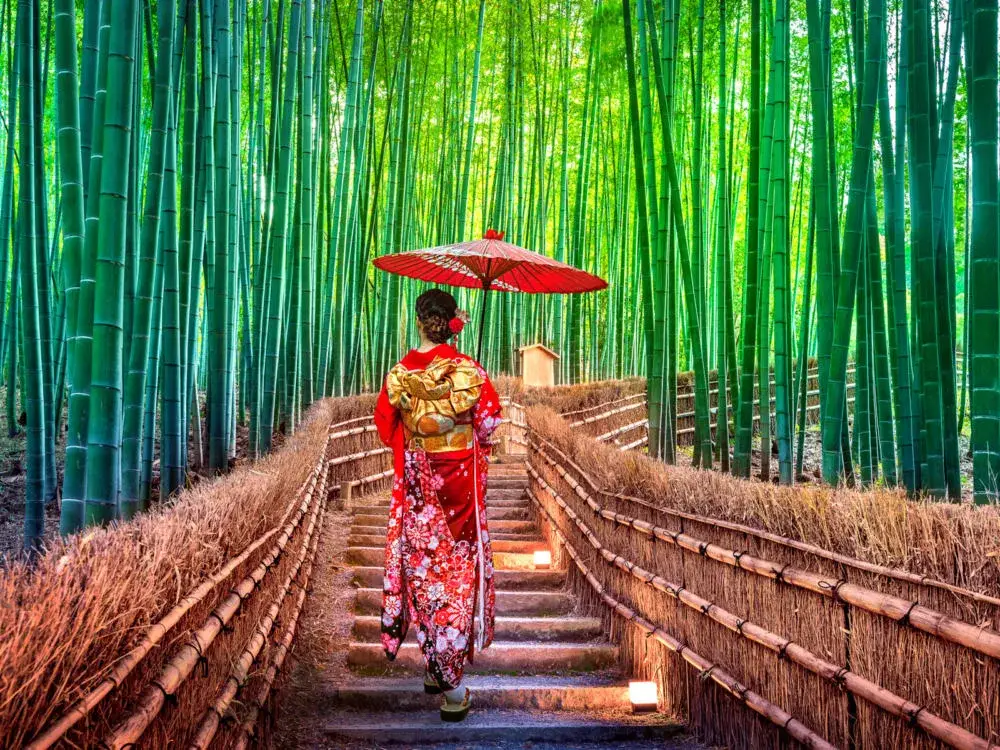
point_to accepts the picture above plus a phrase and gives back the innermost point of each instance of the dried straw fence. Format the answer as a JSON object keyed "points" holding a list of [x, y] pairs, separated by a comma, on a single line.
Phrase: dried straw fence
{"points": [[831, 618], [172, 630], [616, 414]]}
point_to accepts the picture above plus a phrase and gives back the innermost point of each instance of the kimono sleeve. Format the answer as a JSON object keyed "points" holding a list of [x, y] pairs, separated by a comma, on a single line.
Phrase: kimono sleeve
{"points": [[387, 420], [486, 414]]}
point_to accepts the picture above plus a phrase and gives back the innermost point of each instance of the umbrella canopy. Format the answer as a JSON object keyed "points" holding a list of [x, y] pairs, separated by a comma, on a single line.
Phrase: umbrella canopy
{"points": [[491, 264]]}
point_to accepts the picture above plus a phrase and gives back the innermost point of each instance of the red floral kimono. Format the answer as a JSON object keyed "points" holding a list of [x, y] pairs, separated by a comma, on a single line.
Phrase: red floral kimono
{"points": [[437, 411]]}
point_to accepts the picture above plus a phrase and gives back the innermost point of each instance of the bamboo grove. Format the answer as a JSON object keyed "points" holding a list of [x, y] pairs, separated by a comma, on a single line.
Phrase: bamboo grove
{"points": [[193, 191]]}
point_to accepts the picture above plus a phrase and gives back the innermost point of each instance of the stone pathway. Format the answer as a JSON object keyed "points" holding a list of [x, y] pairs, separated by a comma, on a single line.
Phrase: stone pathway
{"points": [[550, 679]]}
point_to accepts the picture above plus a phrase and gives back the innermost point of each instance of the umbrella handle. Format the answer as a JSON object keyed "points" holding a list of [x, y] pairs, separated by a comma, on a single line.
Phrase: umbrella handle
{"points": [[482, 325]]}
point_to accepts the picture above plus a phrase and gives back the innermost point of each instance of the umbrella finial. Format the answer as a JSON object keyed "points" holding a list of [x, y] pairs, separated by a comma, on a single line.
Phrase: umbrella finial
{"points": [[492, 234]]}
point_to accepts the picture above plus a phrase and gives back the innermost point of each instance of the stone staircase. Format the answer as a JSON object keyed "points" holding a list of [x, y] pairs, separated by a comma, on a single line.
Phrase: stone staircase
{"points": [[549, 679]]}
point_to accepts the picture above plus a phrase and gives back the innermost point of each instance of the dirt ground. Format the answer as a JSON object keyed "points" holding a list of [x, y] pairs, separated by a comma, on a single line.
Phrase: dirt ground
{"points": [[320, 652]]}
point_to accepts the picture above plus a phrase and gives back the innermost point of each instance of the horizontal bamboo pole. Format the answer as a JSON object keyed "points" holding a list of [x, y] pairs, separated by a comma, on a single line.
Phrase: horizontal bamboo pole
{"points": [[706, 669], [353, 431], [123, 668], [644, 440], [605, 415], [358, 456], [215, 713], [367, 480], [575, 412], [945, 731], [622, 430], [903, 611], [894, 573], [177, 670], [687, 395], [341, 425]]}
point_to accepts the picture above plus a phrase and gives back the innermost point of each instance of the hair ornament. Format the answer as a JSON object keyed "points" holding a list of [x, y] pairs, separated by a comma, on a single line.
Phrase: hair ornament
{"points": [[457, 323]]}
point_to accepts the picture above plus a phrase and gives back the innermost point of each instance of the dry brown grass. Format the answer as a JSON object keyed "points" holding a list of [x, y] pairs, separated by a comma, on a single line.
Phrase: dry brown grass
{"points": [[954, 544], [89, 599]]}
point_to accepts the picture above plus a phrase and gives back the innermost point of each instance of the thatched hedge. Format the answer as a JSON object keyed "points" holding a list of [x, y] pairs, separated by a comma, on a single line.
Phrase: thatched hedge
{"points": [[913, 564], [89, 601]]}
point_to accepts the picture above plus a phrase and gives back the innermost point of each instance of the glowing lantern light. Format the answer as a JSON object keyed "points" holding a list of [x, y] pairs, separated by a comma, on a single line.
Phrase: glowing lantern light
{"points": [[543, 559], [642, 696]]}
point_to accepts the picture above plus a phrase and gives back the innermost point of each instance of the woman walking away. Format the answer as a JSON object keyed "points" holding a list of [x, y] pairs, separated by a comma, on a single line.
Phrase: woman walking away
{"points": [[437, 411]]}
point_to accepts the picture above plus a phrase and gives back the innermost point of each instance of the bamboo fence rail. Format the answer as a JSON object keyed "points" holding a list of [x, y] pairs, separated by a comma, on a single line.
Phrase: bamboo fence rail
{"points": [[226, 647], [820, 624], [975, 637], [811, 549], [706, 669], [604, 425], [840, 676], [122, 669], [248, 726], [216, 712], [180, 667], [603, 405]]}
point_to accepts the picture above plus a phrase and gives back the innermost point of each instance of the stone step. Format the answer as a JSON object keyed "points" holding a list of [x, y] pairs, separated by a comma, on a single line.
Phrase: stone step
{"points": [[501, 560], [508, 459], [505, 580], [492, 514], [567, 629], [513, 728], [508, 481], [495, 513], [509, 603], [582, 692], [530, 657], [381, 503], [374, 531], [499, 544], [504, 493], [502, 526]]}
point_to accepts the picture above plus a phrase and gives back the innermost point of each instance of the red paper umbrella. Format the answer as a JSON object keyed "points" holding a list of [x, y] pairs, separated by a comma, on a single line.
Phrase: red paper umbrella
{"points": [[491, 264]]}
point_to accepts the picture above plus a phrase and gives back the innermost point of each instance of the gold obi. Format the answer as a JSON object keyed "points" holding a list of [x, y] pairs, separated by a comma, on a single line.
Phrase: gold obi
{"points": [[436, 403]]}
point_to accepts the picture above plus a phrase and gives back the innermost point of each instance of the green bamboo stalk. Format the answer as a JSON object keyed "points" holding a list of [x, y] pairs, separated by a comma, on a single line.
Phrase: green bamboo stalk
{"points": [[722, 260], [104, 434], [926, 297], [33, 387], [278, 240], [220, 320], [983, 357], [744, 421], [75, 465], [861, 179], [895, 265]]}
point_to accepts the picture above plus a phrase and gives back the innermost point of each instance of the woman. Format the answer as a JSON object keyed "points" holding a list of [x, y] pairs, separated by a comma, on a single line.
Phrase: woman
{"points": [[437, 411]]}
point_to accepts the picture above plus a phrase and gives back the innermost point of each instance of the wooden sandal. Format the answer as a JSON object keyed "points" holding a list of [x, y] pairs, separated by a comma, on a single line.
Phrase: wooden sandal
{"points": [[456, 711], [430, 685]]}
